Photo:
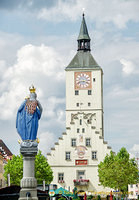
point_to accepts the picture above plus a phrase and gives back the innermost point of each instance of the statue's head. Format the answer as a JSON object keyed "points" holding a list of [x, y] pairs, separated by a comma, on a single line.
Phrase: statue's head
{"points": [[32, 90]]}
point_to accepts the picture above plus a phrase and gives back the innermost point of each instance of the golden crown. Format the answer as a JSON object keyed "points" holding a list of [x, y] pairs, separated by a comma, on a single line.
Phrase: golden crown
{"points": [[32, 89]]}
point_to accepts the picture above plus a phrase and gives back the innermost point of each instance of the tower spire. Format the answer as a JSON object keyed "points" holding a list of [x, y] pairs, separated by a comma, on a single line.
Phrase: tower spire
{"points": [[83, 38]]}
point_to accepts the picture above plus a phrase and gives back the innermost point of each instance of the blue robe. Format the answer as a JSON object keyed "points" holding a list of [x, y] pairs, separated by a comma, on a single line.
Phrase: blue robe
{"points": [[27, 124]]}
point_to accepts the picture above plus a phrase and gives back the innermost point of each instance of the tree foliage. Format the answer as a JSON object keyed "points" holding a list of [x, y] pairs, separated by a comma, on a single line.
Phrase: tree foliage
{"points": [[42, 169], [118, 170], [14, 167]]}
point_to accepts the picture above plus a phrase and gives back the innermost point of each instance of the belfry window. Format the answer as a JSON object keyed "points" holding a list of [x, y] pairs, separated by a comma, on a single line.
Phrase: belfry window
{"points": [[67, 156]]}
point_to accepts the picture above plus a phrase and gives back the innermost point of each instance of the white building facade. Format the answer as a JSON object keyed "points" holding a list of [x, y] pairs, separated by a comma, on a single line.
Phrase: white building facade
{"points": [[75, 157], [133, 191]]}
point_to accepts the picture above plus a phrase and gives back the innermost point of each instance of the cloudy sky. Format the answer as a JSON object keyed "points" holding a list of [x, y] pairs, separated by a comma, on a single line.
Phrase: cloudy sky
{"points": [[38, 39]]}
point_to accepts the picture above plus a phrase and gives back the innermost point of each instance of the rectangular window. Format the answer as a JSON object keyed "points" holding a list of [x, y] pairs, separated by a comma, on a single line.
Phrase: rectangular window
{"points": [[89, 104], [78, 130], [77, 104], [94, 79], [89, 92], [80, 121], [76, 92], [94, 155], [83, 130], [87, 142], [73, 142], [131, 186], [60, 176], [81, 175], [67, 155]]}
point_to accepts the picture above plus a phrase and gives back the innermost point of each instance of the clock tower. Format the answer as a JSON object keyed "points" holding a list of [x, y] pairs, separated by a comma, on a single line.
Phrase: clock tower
{"points": [[75, 157], [84, 87]]}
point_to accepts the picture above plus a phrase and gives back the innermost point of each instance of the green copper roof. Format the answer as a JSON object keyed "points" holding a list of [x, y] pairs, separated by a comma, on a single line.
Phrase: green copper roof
{"points": [[83, 31], [83, 60]]}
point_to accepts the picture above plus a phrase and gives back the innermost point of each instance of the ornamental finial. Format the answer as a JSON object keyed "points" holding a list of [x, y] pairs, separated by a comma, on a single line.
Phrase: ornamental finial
{"points": [[32, 89]]}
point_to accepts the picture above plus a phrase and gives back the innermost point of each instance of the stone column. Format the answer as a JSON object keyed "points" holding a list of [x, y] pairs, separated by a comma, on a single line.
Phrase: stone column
{"points": [[28, 183]]}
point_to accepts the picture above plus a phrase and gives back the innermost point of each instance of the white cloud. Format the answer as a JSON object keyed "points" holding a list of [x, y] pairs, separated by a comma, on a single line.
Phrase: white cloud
{"points": [[118, 12], [134, 152], [128, 67], [50, 105], [46, 141], [135, 148], [40, 65]]}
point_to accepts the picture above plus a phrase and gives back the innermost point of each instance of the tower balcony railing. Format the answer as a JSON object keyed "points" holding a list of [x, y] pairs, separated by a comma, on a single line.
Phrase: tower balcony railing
{"points": [[81, 181]]}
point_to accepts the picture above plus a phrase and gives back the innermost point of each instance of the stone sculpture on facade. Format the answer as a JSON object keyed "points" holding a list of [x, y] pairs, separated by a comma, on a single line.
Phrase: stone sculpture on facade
{"points": [[27, 119]]}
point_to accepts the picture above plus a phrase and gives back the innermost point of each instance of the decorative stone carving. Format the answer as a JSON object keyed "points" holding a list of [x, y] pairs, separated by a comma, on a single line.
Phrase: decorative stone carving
{"points": [[88, 116], [29, 143], [29, 182]]}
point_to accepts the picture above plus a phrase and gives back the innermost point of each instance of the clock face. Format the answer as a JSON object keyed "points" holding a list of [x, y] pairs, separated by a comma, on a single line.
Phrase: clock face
{"points": [[82, 80]]}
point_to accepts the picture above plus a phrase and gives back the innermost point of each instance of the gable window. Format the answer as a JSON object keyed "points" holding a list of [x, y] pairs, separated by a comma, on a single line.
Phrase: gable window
{"points": [[76, 92], [77, 104], [87, 142], [89, 104], [78, 130], [94, 155], [60, 177], [89, 92], [73, 142], [67, 155], [83, 130]]}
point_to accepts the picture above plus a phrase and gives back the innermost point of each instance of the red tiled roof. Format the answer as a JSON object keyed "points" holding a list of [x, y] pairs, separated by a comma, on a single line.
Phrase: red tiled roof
{"points": [[5, 148]]}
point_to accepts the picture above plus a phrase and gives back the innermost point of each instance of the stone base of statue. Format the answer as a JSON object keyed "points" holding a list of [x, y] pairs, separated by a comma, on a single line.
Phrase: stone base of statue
{"points": [[28, 183]]}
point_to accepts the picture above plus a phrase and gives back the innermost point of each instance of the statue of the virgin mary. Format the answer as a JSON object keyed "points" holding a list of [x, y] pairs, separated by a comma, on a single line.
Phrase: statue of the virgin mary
{"points": [[28, 116]]}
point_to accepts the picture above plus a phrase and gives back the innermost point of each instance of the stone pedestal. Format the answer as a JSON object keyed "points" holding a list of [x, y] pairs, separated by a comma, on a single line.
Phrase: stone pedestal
{"points": [[28, 183]]}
